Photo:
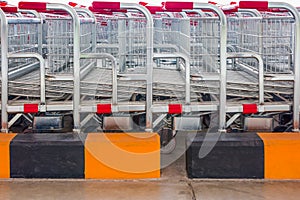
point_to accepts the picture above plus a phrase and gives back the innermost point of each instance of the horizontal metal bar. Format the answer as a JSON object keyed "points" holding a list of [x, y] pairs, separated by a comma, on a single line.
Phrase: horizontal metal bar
{"points": [[133, 77], [22, 71], [280, 77], [186, 108], [260, 108], [24, 21], [60, 77], [115, 108]]}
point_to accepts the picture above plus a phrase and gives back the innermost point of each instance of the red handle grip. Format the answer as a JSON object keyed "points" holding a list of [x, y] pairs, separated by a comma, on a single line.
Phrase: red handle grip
{"points": [[154, 9], [178, 6], [38, 6], [258, 5], [100, 11], [107, 11], [10, 9], [98, 5]]}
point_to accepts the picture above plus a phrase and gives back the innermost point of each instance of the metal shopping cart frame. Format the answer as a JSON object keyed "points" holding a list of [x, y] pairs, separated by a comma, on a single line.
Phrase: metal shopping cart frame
{"points": [[266, 13]]}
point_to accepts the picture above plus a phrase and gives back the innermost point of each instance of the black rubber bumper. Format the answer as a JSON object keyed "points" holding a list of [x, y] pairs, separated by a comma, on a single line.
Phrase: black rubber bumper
{"points": [[234, 155], [47, 156]]}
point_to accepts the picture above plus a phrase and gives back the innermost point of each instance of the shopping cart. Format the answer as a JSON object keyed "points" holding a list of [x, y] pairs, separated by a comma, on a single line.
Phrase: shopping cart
{"points": [[56, 33], [268, 30], [190, 48], [22, 65], [124, 35]]}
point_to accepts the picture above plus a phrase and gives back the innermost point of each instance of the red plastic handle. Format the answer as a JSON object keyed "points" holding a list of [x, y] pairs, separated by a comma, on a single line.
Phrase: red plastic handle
{"points": [[10, 9], [258, 5], [100, 11], [38, 6], [107, 11], [178, 6], [154, 9], [98, 5]]}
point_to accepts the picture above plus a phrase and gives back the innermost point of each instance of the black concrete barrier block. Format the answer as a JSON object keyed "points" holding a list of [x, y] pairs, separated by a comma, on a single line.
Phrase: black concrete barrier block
{"points": [[232, 155], [47, 156]]}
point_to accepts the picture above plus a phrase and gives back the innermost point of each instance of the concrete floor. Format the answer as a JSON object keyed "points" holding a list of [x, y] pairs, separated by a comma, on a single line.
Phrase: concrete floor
{"points": [[173, 188], [172, 185]]}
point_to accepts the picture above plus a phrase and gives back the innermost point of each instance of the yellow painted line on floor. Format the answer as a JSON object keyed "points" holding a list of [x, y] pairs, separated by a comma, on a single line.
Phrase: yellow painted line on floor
{"points": [[5, 140], [282, 155], [122, 156]]}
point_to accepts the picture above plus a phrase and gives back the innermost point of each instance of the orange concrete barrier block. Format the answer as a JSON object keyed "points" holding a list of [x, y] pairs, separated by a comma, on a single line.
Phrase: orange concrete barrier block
{"points": [[282, 155], [122, 156], [5, 140]]}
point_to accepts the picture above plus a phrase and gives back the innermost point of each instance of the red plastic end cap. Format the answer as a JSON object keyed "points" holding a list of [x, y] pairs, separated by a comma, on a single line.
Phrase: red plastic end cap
{"points": [[259, 5], [10, 9], [104, 109], [175, 109], [249, 108], [39, 6], [173, 5], [106, 5], [31, 108]]}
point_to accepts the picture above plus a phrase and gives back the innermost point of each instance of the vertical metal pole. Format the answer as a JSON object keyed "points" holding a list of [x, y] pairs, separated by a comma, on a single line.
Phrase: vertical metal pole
{"points": [[187, 82], [260, 61], [149, 97], [76, 60], [4, 70], [260, 79], [122, 44], [42, 65], [223, 52], [149, 72]]}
